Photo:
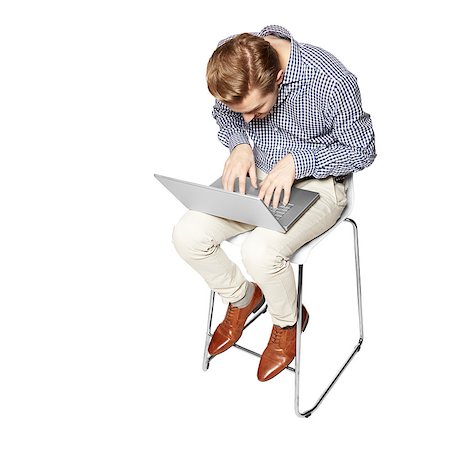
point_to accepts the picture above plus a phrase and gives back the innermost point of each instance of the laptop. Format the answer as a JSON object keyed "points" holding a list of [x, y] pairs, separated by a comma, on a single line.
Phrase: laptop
{"points": [[246, 208]]}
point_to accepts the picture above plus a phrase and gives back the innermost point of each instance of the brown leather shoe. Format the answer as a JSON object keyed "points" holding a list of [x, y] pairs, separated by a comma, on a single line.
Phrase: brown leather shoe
{"points": [[230, 330], [280, 350]]}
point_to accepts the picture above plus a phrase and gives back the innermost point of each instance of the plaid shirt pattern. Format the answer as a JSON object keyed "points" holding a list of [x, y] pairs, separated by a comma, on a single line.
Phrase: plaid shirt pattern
{"points": [[318, 117]]}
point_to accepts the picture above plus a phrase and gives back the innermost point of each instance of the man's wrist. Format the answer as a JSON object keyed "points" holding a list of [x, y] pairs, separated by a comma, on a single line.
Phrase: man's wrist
{"points": [[242, 147], [237, 139]]}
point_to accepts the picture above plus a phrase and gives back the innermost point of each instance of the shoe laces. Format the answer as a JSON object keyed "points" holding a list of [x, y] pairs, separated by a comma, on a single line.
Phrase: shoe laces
{"points": [[276, 335], [231, 313]]}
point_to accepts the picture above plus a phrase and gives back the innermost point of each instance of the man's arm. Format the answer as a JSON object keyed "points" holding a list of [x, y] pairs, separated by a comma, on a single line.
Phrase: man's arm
{"points": [[354, 146], [241, 160], [231, 126], [353, 149]]}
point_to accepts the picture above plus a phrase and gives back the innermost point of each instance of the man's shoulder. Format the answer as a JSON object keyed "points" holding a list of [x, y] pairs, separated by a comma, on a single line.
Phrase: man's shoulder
{"points": [[322, 63]]}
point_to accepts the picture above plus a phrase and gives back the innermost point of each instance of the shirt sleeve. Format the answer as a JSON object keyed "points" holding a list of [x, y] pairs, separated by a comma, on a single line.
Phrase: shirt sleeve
{"points": [[353, 148], [231, 126]]}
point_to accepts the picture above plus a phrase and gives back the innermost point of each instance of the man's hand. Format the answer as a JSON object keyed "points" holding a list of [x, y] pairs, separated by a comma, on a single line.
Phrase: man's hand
{"points": [[280, 178], [240, 162]]}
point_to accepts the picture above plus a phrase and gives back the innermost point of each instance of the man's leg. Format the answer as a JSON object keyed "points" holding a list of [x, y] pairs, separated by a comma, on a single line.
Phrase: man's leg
{"points": [[266, 255], [197, 238]]}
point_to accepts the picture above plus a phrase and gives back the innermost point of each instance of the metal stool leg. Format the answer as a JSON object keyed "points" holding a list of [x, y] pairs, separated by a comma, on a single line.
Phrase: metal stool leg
{"points": [[206, 356], [309, 411]]}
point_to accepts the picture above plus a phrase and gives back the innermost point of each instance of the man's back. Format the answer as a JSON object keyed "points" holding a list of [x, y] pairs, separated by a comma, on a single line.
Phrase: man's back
{"points": [[317, 118]]}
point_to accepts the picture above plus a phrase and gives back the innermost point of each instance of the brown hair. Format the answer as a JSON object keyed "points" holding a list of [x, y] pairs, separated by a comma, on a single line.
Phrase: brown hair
{"points": [[240, 64]]}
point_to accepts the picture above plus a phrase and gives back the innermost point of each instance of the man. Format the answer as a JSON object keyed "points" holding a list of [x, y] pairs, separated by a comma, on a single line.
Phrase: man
{"points": [[291, 116]]}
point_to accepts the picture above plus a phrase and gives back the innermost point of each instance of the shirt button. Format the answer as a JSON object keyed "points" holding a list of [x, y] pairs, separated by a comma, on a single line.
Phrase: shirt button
{"points": [[279, 147]]}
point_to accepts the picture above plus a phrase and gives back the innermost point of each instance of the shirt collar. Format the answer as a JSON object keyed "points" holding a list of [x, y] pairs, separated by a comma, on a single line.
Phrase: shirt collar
{"points": [[293, 69]]}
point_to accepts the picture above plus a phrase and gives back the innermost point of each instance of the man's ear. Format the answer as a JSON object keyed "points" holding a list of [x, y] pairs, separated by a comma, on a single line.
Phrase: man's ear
{"points": [[280, 76]]}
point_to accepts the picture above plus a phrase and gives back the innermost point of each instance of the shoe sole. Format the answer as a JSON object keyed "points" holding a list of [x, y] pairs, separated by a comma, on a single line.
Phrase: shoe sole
{"points": [[259, 305], [306, 321]]}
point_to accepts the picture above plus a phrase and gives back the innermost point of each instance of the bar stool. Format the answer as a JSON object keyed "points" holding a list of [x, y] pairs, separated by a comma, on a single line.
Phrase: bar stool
{"points": [[300, 257]]}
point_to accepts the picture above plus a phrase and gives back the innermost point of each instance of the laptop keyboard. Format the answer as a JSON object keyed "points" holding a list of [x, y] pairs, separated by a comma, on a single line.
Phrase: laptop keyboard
{"points": [[281, 210]]}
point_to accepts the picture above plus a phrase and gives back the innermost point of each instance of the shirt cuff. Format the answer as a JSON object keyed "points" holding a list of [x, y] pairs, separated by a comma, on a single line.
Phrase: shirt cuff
{"points": [[237, 139], [305, 163]]}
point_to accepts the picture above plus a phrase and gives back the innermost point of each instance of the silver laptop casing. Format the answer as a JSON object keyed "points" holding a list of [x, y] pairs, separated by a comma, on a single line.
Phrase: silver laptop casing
{"points": [[246, 208]]}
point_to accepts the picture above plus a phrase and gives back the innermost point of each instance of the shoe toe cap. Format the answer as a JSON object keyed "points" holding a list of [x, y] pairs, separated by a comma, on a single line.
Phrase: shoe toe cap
{"points": [[268, 372], [219, 343], [272, 365]]}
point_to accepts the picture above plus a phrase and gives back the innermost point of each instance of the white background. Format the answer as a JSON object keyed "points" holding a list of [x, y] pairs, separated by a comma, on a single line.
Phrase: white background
{"points": [[102, 324]]}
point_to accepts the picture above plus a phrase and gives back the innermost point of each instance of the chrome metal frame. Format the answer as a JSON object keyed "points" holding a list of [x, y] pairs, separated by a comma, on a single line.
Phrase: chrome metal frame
{"points": [[309, 411], [207, 358]]}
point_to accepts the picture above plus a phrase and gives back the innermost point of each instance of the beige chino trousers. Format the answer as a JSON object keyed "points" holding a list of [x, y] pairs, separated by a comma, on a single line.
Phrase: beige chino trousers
{"points": [[265, 253]]}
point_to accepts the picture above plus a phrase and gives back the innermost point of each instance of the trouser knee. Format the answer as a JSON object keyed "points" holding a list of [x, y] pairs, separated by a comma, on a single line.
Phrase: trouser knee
{"points": [[189, 240], [261, 260]]}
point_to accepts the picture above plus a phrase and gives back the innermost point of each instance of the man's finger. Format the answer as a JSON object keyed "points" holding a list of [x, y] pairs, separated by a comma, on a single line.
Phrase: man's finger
{"points": [[230, 182], [224, 179], [252, 173], [276, 196], [242, 179], [227, 174], [287, 195], [264, 186], [262, 190], [268, 195]]}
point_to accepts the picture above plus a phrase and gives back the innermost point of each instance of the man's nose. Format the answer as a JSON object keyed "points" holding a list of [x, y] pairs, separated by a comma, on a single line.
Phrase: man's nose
{"points": [[248, 117]]}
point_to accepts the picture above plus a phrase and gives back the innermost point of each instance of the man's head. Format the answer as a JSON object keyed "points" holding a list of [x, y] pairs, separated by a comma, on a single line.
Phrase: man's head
{"points": [[244, 73]]}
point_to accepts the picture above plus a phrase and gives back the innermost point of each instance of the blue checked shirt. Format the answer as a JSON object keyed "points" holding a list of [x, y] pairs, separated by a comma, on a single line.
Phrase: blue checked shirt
{"points": [[318, 117]]}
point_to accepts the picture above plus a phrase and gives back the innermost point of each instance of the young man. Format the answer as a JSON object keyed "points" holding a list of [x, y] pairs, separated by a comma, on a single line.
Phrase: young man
{"points": [[291, 116]]}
